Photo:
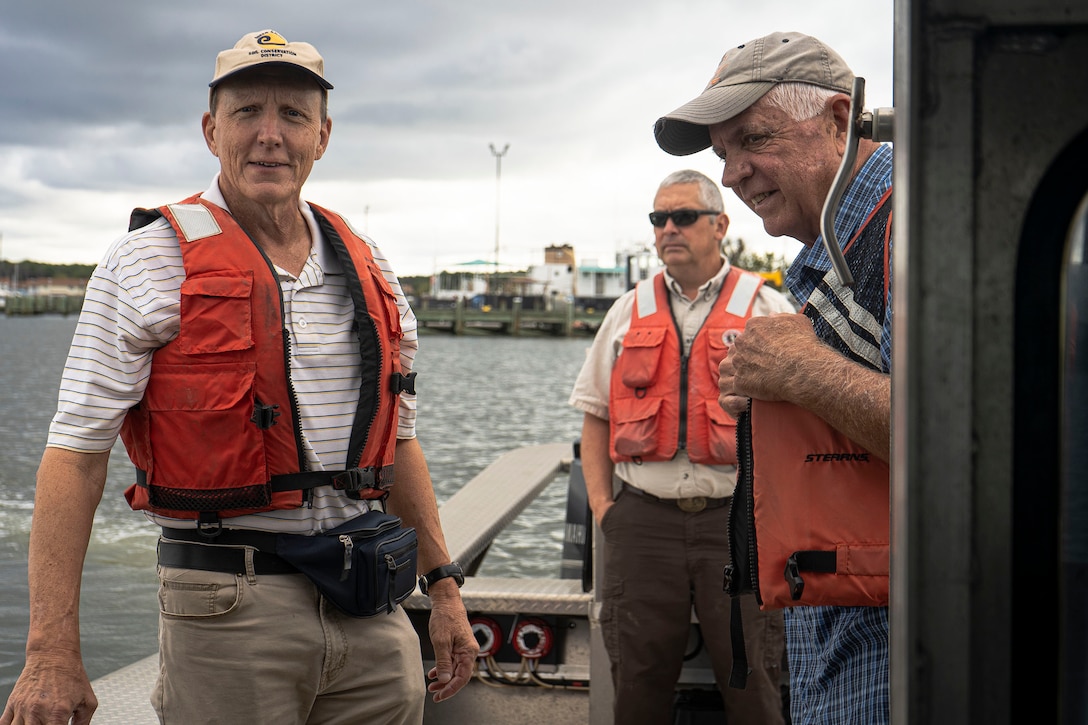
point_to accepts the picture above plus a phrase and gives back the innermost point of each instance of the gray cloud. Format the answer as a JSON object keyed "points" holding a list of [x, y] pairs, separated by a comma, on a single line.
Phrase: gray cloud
{"points": [[107, 99]]}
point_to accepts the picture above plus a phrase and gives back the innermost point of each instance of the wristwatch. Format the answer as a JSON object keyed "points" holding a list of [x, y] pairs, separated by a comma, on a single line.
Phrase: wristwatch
{"points": [[453, 569]]}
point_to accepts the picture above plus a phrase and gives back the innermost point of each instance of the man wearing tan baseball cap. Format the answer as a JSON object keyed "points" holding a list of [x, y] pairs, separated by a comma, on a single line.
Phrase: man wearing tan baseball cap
{"points": [[776, 112], [743, 76], [267, 49], [224, 341]]}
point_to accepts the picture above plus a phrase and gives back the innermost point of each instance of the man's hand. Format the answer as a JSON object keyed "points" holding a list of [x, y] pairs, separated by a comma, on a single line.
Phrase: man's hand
{"points": [[455, 646], [764, 360], [729, 400], [779, 357], [597, 465], [52, 690]]}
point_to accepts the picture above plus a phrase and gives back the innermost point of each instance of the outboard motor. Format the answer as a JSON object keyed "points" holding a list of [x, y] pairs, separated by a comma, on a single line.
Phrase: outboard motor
{"points": [[578, 533]]}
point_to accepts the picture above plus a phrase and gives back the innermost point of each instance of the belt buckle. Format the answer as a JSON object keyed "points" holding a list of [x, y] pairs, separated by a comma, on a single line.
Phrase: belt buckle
{"points": [[692, 505]]}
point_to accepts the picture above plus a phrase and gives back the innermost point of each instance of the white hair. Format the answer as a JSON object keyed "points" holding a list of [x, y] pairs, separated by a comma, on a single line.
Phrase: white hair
{"points": [[799, 101]]}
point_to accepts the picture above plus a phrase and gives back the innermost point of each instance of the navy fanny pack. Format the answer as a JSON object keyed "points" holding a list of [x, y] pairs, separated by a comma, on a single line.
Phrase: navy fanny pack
{"points": [[365, 567]]}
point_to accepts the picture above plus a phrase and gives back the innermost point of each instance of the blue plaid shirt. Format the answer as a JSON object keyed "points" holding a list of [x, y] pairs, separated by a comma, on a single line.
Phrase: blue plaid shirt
{"points": [[838, 656], [812, 263]]}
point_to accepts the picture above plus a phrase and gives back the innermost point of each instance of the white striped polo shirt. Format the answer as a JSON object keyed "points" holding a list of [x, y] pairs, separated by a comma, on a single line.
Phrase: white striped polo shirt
{"points": [[132, 308]]}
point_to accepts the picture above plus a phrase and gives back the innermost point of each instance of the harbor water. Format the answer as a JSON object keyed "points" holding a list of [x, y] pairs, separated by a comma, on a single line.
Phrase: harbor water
{"points": [[479, 396]]}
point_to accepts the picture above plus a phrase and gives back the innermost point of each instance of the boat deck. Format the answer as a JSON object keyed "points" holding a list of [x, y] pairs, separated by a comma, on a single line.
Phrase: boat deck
{"points": [[471, 519]]}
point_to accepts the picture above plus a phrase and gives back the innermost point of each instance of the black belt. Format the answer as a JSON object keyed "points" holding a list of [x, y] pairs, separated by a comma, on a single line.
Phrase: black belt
{"points": [[262, 540], [184, 555], [691, 505]]}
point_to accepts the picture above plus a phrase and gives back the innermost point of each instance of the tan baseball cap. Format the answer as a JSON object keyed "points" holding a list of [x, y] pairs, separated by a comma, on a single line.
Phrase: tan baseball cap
{"points": [[743, 76], [269, 48]]}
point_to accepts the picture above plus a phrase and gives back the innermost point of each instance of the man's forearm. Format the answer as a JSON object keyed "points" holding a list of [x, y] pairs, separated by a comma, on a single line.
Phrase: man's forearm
{"points": [[851, 398], [597, 464], [413, 499], [69, 488]]}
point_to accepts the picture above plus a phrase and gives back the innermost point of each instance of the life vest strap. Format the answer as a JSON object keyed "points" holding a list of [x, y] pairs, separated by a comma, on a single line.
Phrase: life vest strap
{"points": [[816, 561], [738, 676], [368, 483]]}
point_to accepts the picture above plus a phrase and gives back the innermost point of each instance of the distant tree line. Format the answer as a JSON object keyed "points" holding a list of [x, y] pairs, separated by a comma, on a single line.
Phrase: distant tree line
{"points": [[738, 255], [416, 284], [735, 251], [44, 270]]}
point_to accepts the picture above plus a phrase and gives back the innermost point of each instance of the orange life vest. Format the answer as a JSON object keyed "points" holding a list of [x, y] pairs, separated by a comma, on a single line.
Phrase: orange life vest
{"points": [[810, 518], [661, 401], [217, 433]]}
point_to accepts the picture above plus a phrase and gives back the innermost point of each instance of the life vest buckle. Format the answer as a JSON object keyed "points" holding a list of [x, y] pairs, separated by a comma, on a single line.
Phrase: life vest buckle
{"points": [[355, 479], [265, 415], [404, 383], [793, 578], [209, 525]]}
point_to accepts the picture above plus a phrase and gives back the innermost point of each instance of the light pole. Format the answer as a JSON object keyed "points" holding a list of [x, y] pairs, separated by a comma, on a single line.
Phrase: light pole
{"points": [[498, 176]]}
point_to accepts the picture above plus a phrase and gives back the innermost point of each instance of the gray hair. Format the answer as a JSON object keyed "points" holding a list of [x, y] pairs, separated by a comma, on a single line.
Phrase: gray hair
{"points": [[709, 194], [799, 101]]}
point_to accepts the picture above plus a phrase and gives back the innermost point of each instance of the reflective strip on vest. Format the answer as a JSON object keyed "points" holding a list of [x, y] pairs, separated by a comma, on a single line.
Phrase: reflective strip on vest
{"points": [[843, 322], [645, 299], [744, 295], [195, 220]]}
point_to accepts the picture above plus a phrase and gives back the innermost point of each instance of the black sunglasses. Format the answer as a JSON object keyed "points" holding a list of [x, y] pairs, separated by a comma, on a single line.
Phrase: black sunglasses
{"points": [[680, 217]]}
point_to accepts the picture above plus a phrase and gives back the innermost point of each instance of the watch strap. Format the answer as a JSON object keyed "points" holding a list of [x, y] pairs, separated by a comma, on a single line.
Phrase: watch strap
{"points": [[453, 569]]}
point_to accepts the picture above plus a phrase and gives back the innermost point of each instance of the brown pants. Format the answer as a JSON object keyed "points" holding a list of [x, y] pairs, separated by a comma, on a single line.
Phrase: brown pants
{"points": [[659, 561], [269, 649]]}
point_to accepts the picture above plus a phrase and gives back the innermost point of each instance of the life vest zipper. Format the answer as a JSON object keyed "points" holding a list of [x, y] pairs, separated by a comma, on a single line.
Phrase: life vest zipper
{"points": [[742, 572], [359, 302], [682, 433], [303, 465], [377, 395]]}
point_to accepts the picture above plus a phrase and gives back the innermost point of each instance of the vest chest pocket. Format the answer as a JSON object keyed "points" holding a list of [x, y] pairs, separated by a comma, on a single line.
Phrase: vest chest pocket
{"points": [[203, 459], [634, 428], [641, 355], [216, 313], [721, 433]]}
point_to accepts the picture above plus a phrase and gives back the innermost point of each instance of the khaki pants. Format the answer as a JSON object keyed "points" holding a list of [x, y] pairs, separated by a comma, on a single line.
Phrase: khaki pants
{"points": [[268, 649], [660, 561]]}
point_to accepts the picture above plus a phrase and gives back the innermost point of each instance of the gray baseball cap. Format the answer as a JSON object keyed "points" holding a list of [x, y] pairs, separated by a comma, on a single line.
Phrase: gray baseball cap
{"points": [[743, 76]]}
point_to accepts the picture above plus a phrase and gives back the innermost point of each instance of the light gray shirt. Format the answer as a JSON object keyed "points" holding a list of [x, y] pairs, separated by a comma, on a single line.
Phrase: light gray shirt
{"points": [[678, 478]]}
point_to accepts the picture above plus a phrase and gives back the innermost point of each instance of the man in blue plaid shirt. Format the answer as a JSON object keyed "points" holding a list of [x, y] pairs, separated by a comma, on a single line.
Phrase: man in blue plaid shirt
{"points": [[776, 112]]}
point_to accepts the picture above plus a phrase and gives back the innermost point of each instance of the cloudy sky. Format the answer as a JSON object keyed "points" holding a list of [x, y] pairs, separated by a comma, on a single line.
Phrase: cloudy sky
{"points": [[102, 105]]}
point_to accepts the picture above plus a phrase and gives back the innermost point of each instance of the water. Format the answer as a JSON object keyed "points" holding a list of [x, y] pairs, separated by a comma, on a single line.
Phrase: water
{"points": [[479, 397]]}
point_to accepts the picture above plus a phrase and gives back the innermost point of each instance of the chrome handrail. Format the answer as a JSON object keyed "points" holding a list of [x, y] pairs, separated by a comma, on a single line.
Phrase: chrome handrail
{"points": [[878, 125]]}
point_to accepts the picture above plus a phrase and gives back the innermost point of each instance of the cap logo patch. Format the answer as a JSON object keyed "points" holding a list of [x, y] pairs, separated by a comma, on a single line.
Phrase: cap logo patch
{"points": [[719, 72], [271, 38]]}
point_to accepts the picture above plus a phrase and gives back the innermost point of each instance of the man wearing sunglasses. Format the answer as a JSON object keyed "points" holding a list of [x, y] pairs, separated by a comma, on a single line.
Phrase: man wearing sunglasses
{"points": [[659, 458]]}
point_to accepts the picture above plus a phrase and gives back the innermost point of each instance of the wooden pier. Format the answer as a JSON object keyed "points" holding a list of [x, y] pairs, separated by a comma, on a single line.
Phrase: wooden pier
{"points": [[42, 305], [458, 319]]}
